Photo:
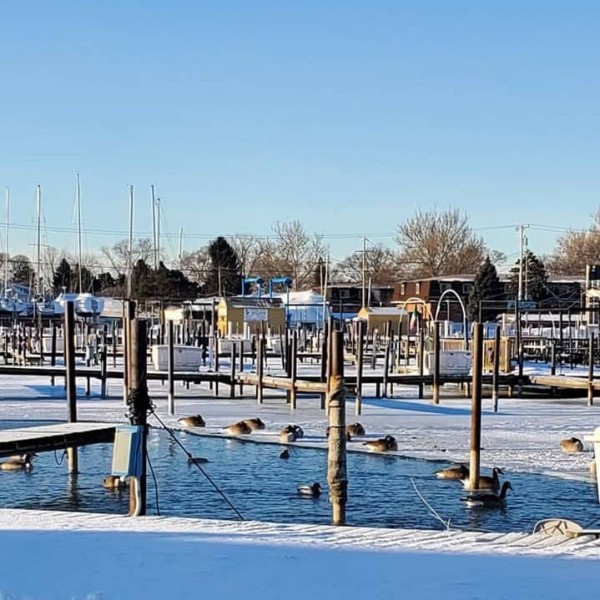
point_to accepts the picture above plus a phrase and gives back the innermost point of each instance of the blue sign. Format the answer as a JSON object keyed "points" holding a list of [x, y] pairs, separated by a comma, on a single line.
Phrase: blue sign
{"points": [[523, 304]]}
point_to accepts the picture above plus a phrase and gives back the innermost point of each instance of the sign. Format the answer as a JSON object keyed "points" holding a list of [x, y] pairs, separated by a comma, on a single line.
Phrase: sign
{"points": [[523, 304], [256, 314]]}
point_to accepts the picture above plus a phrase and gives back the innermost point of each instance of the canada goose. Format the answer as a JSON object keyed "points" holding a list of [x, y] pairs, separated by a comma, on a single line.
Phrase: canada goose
{"points": [[254, 423], [485, 481], [112, 482], [489, 499], [284, 454], [571, 445], [298, 431], [288, 434], [192, 421], [18, 462], [239, 428], [355, 429], [382, 444], [312, 491], [197, 460], [460, 472], [348, 436]]}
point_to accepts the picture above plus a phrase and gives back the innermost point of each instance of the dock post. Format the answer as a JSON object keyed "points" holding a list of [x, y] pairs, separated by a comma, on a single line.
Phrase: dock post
{"points": [[103, 372], [260, 363], [360, 353], [72, 462], [436, 362], [138, 404], [496, 367], [233, 356], [553, 357], [590, 399], [324, 348], [337, 477], [421, 358], [386, 359], [476, 406], [294, 370], [170, 369], [216, 364], [53, 350]]}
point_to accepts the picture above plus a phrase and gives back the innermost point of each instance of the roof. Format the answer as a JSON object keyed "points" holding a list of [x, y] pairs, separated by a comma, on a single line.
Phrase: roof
{"points": [[384, 311], [250, 302]]}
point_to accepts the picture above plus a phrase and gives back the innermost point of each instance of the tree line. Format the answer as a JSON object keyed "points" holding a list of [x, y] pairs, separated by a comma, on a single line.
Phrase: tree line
{"points": [[429, 244]]}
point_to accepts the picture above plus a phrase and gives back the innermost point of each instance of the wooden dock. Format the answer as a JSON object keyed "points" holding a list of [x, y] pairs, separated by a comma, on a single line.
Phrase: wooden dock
{"points": [[57, 436], [565, 381]]}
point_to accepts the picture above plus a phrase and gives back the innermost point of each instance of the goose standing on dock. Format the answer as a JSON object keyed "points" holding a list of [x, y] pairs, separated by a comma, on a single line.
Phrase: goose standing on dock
{"points": [[457, 473], [310, 491], [485, 481], [488, 499]]}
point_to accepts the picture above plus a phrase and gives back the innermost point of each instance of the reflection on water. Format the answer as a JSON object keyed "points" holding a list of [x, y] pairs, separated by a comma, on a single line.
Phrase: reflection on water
{"points": [[263, 487]]}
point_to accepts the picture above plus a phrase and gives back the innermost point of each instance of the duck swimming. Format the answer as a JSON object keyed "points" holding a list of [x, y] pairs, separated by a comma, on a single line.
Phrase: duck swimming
{"points": [[486, 482], [311, 491], [18, 462], [459, 472], [355, 429], [571, 445], [383, 444], [196, 460], [255, 423], [284, 454], [192, 421], [488, 499], [240, 428], [112, 482]]}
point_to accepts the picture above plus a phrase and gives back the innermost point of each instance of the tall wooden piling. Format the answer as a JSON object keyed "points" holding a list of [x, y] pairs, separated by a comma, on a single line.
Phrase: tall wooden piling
{"points": [[360, 353], [421, 356], [139, 405], [337, 478], [477, 349], [294, 370], [72, 462], [590, 398], [436, 362], [171, 370], [233, 356], [52, 349], [324, 361], [103, 372], [496, 368], [260, 363], [386, 359]]}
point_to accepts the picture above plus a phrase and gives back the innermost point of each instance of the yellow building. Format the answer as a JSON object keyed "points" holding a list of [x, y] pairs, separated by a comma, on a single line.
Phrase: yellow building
{"points": [[379, 316], [234, 313]]}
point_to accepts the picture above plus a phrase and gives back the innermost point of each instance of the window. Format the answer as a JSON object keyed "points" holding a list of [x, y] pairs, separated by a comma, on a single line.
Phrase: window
{"points": [[466, 288], [344, 294], [417, 288], [403, 288], [445, 285]]}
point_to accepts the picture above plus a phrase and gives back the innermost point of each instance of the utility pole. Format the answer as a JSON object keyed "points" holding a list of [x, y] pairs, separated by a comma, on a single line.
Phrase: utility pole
{"points": [[521, 229], [157, 232], [38, 288], [79, 233], [154, 254], [180, 254], [130, 244]]}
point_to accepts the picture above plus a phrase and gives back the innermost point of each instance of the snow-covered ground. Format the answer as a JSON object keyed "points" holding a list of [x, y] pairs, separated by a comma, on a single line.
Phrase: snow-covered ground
{"points": [[46, 555]]}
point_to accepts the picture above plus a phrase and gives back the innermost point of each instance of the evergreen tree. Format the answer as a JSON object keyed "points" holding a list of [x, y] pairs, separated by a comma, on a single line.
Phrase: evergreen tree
{"points": [[225, 272], [22, 271], [486, 287], [62, 278], [535, 278]]}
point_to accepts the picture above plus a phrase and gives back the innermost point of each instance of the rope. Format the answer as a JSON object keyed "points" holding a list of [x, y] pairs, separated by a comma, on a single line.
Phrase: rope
{"points": [[188, 454], [62, 459], [155, 482], [432, 510]]}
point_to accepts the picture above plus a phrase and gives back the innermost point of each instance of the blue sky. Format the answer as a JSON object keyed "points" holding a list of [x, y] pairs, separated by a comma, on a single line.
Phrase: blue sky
{"points": [[344, 114]]}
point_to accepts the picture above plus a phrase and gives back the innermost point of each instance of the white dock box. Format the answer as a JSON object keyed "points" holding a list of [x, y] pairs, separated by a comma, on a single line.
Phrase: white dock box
{"points": [[596, 441], [185, 358], [452, 362], [226, 344]]}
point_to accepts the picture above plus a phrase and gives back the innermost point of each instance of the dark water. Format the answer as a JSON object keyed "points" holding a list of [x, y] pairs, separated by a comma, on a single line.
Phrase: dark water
{"points": [[263, 487]]}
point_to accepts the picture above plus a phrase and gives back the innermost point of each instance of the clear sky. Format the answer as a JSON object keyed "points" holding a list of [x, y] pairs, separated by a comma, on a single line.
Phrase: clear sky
{"points": [[347, 115]]}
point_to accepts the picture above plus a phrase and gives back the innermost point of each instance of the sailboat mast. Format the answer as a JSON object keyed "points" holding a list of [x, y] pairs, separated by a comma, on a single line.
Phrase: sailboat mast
{"points": [[180, 243], [39, 281], [157, 232], [153, 200], [130, 244], [6, 254], [79, 232]]}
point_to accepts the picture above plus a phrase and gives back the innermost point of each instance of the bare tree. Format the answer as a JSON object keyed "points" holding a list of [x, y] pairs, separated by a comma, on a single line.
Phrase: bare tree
{"points": [[576, 249], [247, 248], [436, 243], [118, 254], [195, 265], [382, 266], [292, 253]]}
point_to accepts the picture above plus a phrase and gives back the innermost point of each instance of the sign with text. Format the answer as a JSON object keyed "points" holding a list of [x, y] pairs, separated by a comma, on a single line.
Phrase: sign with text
{"points": [[523, 304], [256, 314]]}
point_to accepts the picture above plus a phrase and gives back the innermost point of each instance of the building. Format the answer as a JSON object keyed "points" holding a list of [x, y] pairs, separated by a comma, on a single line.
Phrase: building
{"points": [[240, 315]]}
